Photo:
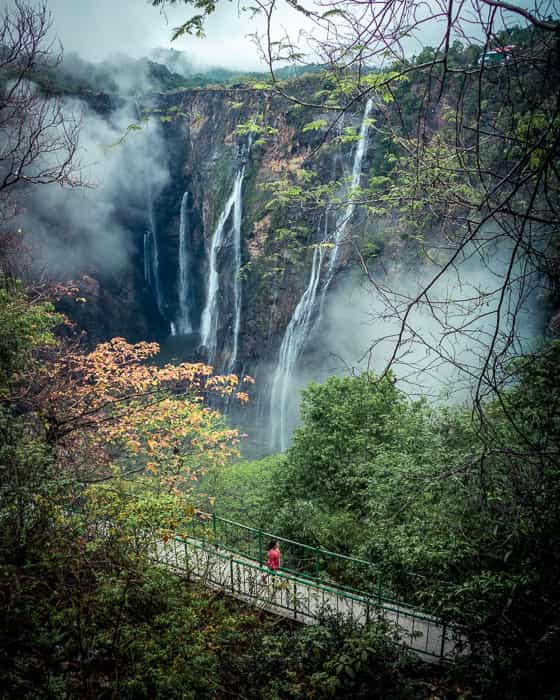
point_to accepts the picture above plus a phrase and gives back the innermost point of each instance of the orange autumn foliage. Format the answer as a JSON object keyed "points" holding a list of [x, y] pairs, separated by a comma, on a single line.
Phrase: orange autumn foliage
{"points": [[115, 409]]}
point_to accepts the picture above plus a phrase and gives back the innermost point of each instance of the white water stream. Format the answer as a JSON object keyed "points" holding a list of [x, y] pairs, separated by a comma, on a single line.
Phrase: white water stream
{"points": [[344, 219], [153, 250], [292, 345], [210, 315], [183, 323], [147, 258], [236, 236], [301, 323]]}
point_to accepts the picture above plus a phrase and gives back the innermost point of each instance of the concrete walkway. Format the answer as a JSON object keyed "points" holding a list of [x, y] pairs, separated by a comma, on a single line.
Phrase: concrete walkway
{"points": [[301, 599]]}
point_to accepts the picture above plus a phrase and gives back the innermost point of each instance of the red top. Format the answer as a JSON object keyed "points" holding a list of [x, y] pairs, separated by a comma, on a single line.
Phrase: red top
{"points": [[273, 559]]}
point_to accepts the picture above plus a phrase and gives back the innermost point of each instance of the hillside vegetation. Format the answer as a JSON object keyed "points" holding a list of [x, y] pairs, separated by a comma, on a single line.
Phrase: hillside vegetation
{"points": [[106, 447]]}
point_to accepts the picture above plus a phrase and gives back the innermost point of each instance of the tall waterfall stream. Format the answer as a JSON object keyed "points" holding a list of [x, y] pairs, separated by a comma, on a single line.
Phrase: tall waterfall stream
{"points": [[183, 324], [301, 323], [210, 315], [151, 249]]}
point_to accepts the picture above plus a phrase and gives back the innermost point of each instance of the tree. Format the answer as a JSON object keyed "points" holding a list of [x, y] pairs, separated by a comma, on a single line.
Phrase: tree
{"points": [[345, 421], [462, 524], [322, 491], [112, 406], [25, 460], [98, 453], [38, 140]]}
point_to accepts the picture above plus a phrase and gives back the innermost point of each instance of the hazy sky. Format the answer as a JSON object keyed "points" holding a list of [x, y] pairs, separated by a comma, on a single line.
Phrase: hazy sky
{"points": [[95, 29]]}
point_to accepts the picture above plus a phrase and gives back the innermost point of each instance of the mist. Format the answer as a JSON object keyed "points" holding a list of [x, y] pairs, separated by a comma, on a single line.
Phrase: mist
{"points": [[98, 31], [94, 229], [445, 340]]}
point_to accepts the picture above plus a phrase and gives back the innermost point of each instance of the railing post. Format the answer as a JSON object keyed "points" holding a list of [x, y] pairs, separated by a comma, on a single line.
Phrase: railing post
{"points": [[260, 547], [295, 600], [317, 564], [379, 591], [442, 650], [215, 529], [231, 572]]}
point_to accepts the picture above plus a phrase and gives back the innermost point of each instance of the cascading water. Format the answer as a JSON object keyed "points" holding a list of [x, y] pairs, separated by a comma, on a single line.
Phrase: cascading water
{"points": [[153, 251], [292, 345], [210, 315], [301, 323], [236, 240], [183, 322], [209, 320], [343, 221], [147, 258]]}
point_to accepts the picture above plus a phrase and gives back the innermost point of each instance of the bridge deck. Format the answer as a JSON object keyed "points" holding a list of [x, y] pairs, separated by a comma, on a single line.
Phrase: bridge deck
{"points": [[301, 599]]}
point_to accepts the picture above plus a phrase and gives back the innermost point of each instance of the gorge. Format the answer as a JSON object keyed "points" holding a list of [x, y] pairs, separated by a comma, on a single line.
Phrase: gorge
{"points": [[196, 227], [317, 309], [234, 234]]}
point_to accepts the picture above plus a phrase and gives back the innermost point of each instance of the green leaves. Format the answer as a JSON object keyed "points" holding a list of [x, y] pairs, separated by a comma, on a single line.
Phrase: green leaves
{"points": [[315, 125], [345, 421], [194, 26], [333, 13], [24, 328], [255, 125]]}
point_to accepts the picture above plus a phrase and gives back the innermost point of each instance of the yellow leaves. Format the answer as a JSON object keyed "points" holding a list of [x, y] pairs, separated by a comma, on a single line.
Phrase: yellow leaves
{"points": [[124, 410], [233, 379], [223, 380], [225, 385], [242, 396]]}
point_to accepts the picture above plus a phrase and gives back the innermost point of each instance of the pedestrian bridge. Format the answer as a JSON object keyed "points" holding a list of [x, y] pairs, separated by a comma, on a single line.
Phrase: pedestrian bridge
{"points": [[229, 557]]}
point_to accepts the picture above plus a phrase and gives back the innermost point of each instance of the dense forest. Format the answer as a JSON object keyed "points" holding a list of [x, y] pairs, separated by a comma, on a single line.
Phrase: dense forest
{"points": [[364, 162]]}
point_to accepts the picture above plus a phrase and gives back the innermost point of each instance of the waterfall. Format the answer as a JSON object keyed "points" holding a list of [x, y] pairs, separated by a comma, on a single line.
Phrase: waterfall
{"points": [[209, 320], [183, 323], [236, 240], [153, 251], [301, 323], [210, 315], [292, 345], [343, 222], [147, 258]]}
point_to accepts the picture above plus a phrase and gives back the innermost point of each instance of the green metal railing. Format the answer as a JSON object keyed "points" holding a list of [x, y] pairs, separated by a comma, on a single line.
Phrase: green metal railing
{"points": [[304, 592], [300, 596], [324, 566], [328, 568]]}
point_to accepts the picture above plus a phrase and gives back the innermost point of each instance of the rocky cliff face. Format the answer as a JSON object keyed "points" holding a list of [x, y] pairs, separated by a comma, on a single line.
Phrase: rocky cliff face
{"points": [[216, 260], [207, 138]]}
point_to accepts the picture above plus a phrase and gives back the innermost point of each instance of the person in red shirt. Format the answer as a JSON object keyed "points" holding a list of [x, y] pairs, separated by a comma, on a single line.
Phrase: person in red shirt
{"points": [[272, 559]]}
